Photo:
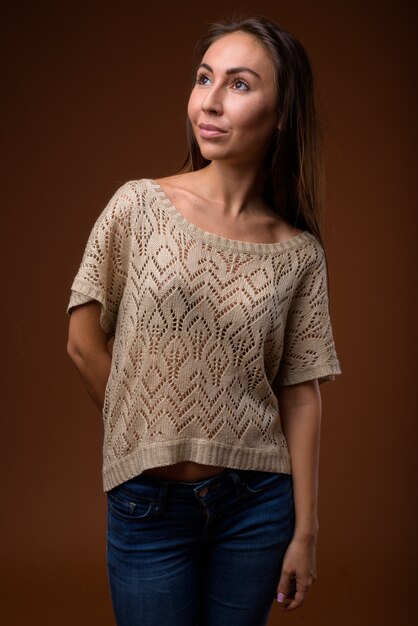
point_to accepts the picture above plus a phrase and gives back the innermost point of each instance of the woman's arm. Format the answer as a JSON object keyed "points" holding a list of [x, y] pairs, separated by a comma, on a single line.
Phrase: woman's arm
{"points": [[88, 347], [300, 411]]}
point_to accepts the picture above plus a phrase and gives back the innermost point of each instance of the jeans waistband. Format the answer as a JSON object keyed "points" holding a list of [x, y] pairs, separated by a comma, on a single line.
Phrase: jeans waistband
{"points": [[188, 487]]}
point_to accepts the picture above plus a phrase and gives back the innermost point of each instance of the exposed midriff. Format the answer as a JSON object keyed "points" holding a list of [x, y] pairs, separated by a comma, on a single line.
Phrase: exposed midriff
{"points": [[185, 471]]}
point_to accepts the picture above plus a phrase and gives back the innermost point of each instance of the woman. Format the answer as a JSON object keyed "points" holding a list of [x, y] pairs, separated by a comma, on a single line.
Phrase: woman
{"points": [[212, 286]]}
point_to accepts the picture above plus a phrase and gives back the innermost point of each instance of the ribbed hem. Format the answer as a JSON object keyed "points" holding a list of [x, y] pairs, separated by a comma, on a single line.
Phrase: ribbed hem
{"points": [[323, 373], [272, 459], [93, 293]]}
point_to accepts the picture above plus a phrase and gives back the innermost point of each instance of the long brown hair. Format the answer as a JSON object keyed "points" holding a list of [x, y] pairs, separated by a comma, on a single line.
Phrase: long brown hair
{"points": [[293, 173]]}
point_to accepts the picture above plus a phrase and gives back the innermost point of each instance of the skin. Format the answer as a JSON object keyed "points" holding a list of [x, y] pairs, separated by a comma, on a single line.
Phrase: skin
{"points": [[244, 106], [241, 103], [225, 198]]}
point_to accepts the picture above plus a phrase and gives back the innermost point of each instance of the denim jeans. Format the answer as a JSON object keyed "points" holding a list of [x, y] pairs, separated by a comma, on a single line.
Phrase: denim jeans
{"points": [[205, 553]]}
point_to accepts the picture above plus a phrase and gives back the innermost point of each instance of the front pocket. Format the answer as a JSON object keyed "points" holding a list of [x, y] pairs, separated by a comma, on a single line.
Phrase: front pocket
{"points": [[260, 481], [130, 510]]}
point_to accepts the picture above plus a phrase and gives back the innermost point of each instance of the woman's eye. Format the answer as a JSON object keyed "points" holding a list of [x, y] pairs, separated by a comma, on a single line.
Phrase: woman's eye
{"points": [[200, 79], [244, 86], [203, 79]]}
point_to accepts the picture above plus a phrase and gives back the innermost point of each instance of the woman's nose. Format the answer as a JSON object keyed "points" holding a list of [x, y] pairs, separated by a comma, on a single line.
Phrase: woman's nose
{"points": [[212, 102]]}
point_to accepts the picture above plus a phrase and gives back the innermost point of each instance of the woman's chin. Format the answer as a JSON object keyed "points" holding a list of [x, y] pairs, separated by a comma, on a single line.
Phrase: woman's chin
{"points": [[211, 153]]}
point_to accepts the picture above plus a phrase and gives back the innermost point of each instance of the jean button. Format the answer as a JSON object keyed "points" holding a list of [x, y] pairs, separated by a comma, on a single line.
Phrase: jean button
{"points": [[203, 492]]}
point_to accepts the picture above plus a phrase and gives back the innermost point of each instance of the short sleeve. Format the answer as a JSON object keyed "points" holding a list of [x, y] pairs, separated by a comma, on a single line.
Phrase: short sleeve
{"points": [[103, 270], [309, 349]]}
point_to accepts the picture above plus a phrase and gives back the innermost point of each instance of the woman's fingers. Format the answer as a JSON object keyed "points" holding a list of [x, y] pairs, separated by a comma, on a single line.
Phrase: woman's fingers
{"points": [[298, 599], [292, 592], [286, 587]]}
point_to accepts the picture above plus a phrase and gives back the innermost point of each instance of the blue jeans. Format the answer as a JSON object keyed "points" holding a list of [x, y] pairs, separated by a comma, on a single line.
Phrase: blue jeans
{"points": [[205, 553]]}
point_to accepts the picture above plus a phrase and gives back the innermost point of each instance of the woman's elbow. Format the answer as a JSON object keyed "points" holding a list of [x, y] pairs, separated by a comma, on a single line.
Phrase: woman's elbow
{"points": [[75, 350]]}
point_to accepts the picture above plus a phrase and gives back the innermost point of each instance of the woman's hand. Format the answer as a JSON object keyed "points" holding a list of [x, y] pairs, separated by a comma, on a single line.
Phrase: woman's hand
{"points": [[298, 573]]}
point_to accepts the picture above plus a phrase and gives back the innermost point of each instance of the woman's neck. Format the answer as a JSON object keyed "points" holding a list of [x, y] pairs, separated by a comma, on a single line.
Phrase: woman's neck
{"points": [[236, 190]]}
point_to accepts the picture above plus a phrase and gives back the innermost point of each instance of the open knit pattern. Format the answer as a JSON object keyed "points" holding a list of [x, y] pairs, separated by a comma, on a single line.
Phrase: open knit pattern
{"points": [[205, 328]]}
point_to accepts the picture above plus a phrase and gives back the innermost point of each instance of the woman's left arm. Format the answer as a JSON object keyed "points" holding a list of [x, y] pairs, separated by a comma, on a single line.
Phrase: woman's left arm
{"points": [[300, 413]]}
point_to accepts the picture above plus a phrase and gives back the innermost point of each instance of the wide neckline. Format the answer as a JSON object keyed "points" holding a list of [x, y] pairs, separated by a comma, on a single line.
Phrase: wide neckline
{"points": [[224, 243]]}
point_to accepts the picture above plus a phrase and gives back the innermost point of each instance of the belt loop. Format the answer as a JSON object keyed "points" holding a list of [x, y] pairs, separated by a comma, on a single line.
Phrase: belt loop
{"points": [[237, 481], [162, 497]]}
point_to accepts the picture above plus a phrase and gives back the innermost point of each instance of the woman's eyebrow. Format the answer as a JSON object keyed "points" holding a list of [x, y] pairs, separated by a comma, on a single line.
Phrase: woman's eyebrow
{"points": [[232, 70]]}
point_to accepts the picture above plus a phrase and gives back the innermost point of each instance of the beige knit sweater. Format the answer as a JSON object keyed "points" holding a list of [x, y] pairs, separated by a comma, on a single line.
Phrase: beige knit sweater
{"points": [[205, 329]]}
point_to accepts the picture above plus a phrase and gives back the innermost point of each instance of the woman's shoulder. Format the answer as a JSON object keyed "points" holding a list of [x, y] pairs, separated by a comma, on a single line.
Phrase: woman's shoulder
{"points": [[283, 230], [137, 192], [176, 184], [180, 190], [126, 203]]}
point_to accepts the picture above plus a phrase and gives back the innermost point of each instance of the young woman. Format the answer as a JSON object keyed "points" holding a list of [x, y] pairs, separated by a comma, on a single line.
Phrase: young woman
{"points": [[211, 286]]}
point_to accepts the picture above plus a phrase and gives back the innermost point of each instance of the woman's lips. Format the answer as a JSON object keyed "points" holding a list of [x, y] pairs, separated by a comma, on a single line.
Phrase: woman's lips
{"points": [[209, 130]]}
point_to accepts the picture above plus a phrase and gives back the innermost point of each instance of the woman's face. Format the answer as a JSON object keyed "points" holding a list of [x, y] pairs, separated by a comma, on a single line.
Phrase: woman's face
{"points": [[235, 92]]}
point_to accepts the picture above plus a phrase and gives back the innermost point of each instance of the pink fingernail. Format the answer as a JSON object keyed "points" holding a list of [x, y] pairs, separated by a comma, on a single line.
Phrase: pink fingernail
{"points": [[280, 597]]}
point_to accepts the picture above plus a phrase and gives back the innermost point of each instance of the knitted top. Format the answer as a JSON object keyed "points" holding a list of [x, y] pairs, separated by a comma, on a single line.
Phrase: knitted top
{"points": [[205, 329]]}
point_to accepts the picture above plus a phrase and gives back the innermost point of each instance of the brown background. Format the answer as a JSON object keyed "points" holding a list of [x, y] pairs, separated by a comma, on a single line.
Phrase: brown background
{"points": [[94, 94]]}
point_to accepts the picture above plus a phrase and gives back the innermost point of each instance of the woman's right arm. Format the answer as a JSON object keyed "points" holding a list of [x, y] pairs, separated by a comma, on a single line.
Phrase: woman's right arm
{"points": [[88, 347]]}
